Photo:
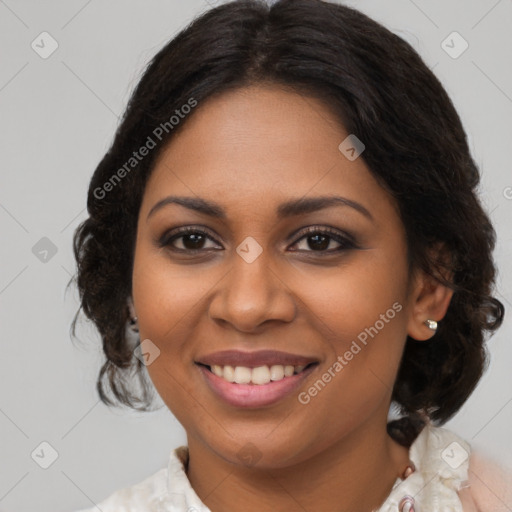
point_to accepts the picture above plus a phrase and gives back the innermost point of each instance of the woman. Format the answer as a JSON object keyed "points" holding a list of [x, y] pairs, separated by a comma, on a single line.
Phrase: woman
{"points": [[287, 218]]}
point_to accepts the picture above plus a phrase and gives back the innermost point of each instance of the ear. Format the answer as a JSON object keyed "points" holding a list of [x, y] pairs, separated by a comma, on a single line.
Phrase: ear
{"points": [[429, 300]]}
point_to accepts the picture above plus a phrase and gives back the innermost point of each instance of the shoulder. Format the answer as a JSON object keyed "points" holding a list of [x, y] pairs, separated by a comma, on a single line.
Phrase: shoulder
{"points": [[167, 489], [482, 484], [134, 498], [450, 471], [490, 485]]}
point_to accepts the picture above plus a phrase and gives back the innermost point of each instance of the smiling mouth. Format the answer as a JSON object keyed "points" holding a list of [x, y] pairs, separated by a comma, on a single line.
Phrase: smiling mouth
{"points": [[258, 376]]}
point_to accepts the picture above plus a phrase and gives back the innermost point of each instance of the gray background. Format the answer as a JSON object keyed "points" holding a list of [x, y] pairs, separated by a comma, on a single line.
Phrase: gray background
{"points": [[57, 119]]}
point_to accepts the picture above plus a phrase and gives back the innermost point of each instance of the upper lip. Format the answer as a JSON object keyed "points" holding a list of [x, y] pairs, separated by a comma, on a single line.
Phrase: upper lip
{"points": [[254, 359]]}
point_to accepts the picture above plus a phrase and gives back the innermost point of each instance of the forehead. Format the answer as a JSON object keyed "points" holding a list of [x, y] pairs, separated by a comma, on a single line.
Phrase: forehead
{"points": [[256, 144]]}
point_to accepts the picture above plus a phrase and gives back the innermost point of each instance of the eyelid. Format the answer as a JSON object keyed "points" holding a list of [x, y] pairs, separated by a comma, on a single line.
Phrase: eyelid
{"points": [[336, 234], [323, 229], [166, 238]]}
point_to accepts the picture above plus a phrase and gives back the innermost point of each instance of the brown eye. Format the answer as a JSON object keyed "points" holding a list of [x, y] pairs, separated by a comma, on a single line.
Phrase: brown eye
{"points": [[191, 239], [318, 240]]}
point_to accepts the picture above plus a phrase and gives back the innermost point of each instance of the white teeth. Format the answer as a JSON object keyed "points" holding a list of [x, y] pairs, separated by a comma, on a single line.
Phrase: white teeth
{"points": [[217, 370], [228, 373], [288, 371], [242, 375], [259, 376], [276, 372]]}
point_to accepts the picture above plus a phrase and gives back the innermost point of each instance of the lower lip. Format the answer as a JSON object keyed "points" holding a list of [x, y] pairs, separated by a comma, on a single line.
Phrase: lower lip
{"points": [[254, 395]]}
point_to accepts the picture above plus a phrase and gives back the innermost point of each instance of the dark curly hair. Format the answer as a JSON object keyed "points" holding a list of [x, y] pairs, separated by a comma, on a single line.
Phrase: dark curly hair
{"points": [[416, 148]]}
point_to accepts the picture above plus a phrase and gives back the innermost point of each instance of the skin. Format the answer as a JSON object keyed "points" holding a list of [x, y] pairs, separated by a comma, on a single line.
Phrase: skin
{"points": [[249, 150]]}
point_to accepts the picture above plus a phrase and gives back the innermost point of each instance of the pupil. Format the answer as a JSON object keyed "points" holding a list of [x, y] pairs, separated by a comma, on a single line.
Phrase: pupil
{"points": [[194, 238], [323, 243], [193, 241]]}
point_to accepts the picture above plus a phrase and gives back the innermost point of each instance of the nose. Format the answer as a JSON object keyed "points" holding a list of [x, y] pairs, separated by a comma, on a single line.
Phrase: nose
{"points": [[252, 294]]}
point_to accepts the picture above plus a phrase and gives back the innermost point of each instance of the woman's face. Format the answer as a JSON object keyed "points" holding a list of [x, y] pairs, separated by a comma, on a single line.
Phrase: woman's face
{"points": [[256, 166]]}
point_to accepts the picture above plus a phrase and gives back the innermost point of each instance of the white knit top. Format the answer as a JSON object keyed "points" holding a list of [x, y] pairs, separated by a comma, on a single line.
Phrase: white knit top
{"points": [[440, 456]]}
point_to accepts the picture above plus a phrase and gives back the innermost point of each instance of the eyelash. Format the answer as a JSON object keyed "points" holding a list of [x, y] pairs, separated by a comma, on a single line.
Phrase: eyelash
{"points": [[345, 240]]}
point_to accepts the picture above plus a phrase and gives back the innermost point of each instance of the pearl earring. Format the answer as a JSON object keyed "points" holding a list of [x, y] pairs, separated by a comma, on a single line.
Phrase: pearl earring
{"points": [[431, 324]]}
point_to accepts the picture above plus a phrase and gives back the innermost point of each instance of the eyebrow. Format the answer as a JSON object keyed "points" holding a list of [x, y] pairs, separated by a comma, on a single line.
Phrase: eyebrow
{"points": [[287, 209]]}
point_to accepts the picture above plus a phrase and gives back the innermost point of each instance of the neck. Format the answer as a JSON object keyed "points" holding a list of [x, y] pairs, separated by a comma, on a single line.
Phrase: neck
{"points": [[356, 473]]}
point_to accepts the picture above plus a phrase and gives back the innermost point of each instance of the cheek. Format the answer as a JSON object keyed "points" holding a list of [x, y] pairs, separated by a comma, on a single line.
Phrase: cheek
{"points": [[360, 310], [165, 293], [165, 296], [351, 297]]}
